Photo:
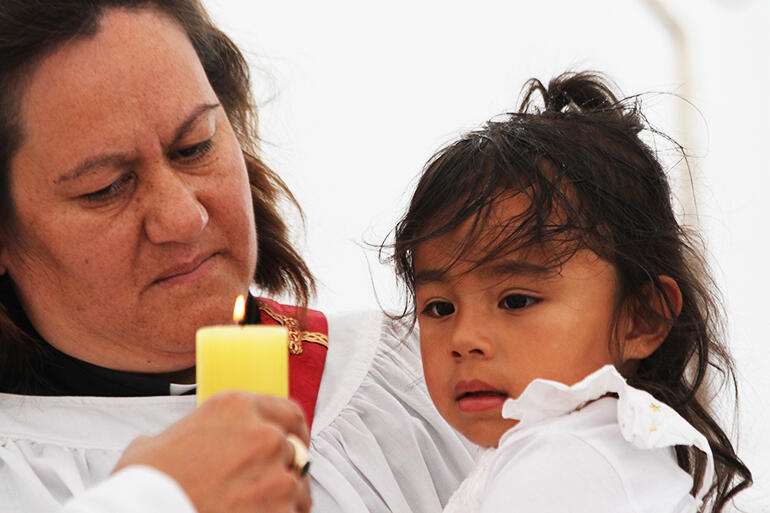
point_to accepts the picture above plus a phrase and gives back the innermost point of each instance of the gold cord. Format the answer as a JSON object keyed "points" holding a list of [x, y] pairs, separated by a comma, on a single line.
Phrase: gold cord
{"points": [[296, 337]]}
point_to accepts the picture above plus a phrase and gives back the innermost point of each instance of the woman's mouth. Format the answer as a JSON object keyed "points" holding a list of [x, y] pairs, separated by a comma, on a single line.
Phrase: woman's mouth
{"points": [[186, 272]]}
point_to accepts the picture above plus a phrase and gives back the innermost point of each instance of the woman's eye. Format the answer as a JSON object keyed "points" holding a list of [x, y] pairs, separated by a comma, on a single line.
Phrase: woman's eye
{"points": [[195, 152], [112, 191], [517, 302], [439, 309]]}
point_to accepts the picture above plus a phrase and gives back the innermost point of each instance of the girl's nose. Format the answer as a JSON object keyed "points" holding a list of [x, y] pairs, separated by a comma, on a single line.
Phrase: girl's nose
{"points": [[175, 213], [471, 337]]}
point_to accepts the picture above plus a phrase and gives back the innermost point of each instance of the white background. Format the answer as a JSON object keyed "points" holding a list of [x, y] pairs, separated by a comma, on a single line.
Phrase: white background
{"points": [[355, 96]]}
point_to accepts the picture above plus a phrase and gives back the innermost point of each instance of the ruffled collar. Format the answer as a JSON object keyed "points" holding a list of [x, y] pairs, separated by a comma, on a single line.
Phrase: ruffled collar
{"points": [[644, 421]]}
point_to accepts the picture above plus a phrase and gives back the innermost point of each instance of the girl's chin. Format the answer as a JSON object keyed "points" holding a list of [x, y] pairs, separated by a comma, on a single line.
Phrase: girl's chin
{"points": [[489, 436]]}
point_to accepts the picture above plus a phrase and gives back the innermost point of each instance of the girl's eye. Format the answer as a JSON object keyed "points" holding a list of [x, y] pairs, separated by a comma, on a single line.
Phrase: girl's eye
{"points": [[517, 302], [439, 309], [112, 191], [195, 152]]}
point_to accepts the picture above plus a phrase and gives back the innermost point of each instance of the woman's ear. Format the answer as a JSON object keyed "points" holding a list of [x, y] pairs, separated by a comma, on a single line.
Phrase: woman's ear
{"points": [[647, 325]]}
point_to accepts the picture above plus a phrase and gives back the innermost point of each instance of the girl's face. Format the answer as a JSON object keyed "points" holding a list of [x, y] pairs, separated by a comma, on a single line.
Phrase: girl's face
{"points": [[486, 333]]}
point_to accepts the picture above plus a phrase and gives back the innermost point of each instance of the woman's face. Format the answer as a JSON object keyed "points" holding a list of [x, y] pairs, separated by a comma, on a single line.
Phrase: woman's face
{"points": [[133, 216]]}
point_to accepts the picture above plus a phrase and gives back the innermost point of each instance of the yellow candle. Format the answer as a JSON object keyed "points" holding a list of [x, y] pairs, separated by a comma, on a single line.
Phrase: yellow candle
{"points": [[250, 358]]}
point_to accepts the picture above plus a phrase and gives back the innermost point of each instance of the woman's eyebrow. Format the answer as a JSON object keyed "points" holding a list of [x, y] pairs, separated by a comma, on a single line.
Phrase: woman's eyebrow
{"points": [[122, 159], [91, 163], [191, 120]]}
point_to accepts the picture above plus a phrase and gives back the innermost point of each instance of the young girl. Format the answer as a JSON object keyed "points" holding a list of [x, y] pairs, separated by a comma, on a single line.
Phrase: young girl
{"points": [[565, 319]]}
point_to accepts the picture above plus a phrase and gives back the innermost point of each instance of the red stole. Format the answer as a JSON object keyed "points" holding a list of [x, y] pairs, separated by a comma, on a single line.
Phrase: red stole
{"points": [[307, 350]]}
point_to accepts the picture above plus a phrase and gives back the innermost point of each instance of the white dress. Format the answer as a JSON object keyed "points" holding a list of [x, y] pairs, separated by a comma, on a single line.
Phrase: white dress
{"points": [[377, 444], [575, 450]]}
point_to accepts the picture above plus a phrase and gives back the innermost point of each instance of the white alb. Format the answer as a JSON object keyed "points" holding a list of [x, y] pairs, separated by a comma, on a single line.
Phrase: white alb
{"points": [[378, 444]]}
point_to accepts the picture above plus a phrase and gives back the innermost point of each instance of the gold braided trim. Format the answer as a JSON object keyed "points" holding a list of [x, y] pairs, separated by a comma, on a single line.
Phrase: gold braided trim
{"points": [[315, 338], [296, 337]]}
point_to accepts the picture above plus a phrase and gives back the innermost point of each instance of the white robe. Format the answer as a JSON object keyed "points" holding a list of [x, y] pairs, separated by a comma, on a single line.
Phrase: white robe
{"points": [[377, 444]]}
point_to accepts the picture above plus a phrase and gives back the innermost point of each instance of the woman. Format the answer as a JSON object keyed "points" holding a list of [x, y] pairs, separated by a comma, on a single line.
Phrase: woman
{"points": [[134, 209]]}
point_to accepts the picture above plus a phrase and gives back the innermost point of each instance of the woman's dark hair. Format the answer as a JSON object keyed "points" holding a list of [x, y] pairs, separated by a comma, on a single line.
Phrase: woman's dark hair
{"points": [[592, 183], [32, 29]]}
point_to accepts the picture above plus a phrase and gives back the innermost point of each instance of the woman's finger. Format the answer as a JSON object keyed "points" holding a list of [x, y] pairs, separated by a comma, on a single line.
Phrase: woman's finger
{"points": [[300, 461], [283, 412]]}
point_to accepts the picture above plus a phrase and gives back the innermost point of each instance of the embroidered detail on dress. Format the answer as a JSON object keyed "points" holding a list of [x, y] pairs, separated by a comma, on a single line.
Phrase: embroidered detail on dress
{"points": [[296, 337]]}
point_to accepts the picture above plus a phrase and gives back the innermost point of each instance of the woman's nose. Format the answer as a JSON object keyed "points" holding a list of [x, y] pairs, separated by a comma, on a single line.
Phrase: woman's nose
{"points": [[471, 337], [175, 213]]}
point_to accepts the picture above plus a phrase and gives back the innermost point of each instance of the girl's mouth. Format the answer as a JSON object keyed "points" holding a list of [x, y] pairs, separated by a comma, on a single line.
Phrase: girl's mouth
{"points": [[482, 400], [477, 395]]}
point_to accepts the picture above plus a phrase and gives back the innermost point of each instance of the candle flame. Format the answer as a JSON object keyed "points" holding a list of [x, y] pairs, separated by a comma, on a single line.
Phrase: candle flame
{"points": [[240, 309]]}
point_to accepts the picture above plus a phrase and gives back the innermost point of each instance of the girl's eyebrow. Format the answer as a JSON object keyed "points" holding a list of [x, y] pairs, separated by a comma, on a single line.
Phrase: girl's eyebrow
{"points": [[499, 268], [429, 276], [496, 269]]}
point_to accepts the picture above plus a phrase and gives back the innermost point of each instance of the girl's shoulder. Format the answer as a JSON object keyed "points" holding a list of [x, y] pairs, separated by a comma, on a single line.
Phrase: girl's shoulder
{"points": [[599, 432], [590, 442], [582, 463], [579, 463]]}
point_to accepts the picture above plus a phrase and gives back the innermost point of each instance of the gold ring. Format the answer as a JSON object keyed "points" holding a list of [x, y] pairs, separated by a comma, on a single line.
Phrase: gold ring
{"points": [[301, 462]]}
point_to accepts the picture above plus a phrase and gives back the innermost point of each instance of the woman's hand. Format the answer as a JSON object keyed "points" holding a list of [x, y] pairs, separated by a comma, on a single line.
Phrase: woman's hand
{"points": [[231, 455]]}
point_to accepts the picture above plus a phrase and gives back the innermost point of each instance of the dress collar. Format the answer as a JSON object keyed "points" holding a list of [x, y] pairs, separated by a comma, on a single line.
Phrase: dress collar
{"points": [[544, 398]]}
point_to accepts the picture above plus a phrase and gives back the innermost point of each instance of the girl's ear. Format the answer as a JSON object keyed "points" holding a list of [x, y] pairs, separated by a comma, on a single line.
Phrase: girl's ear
{"points": [[647, 326]]}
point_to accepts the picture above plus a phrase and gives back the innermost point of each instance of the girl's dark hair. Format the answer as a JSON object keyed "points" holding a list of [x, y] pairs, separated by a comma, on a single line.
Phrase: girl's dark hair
{"points": [[592, 183], [32, 29]]}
